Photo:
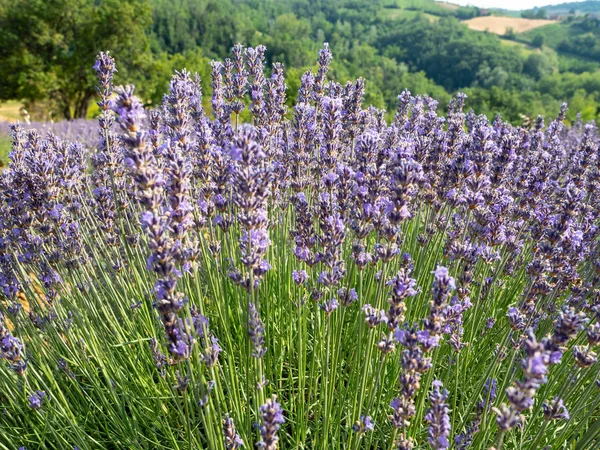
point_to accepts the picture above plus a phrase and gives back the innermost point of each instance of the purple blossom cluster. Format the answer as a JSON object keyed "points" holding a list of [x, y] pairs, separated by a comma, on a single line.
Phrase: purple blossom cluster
{"points": [[438, 418], [11, 349]]}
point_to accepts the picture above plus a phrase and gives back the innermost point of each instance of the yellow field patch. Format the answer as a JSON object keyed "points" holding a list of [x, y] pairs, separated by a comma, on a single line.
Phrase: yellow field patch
{"points": [[499, 25], [10, 111]]}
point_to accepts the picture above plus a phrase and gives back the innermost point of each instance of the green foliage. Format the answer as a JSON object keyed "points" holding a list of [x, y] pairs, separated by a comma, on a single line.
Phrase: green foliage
{"points": [[183, 25], [467, 12], [48, 48], [447, 51], [488, 77], [540, 64], [4, 150], [536, 13], [510, 33], [154, 81], [553, 34]]}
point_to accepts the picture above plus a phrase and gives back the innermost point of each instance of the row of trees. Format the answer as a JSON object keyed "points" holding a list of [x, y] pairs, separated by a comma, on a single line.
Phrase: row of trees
{"points": [[50, 48]]}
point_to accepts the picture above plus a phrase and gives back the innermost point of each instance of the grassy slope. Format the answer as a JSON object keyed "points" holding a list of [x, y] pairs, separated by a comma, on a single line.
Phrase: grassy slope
{"points": [[553, 34], [581, 8]]}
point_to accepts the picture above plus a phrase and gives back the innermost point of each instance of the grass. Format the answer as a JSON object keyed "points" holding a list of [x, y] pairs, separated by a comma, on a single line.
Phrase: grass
{"points": [[4, 150], [521, 47], [554, 35]]}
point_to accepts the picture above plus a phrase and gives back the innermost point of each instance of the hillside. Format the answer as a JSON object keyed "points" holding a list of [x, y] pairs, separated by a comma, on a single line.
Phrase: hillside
{"points": [[571, 29], [575, 35], [419, 45]]}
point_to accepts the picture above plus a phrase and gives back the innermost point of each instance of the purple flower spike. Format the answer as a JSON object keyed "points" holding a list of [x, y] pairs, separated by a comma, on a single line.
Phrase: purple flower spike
{"points": [[516, 319], [374, 316], [347, 296], [256, 331], [438, 418], [443, 282], [272, 418], [233, 441]]}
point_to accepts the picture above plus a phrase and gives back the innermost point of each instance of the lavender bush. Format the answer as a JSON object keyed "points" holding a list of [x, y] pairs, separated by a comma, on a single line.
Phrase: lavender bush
{"points": [[315, 278]]}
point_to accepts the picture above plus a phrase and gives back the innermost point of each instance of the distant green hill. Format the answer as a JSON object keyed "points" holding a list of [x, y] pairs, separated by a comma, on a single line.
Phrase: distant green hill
{"points": [[556, 11], [576, 37], [580, 8]]}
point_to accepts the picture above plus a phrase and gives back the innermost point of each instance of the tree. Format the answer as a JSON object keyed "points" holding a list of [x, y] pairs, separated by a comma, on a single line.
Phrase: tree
{"points": [[540, 64], [509, 33], [49, 48], [538, 41]]}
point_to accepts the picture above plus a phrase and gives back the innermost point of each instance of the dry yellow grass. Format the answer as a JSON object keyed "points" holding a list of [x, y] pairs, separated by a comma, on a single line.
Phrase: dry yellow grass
{"points": [[10, 111], [499, 25]]}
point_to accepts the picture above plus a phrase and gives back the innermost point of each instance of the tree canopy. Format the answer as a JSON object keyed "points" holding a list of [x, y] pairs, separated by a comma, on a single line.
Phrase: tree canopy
{"points": [[49, 47]]}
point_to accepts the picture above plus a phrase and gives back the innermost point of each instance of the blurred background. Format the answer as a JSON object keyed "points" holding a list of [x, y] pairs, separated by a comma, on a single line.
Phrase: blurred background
{"points": [[517, 63]]}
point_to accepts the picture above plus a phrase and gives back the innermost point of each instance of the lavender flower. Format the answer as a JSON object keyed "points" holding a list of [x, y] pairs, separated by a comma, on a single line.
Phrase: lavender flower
{"points": [[300, 276], [319, 80], [272, 418], [329, 306], [256, 331], [37, 400], [347, 296], [363, 425], [402, 287], [233, 441], [434, 324], [555, 410], [11, 349], [438, 418], [373, 316]]}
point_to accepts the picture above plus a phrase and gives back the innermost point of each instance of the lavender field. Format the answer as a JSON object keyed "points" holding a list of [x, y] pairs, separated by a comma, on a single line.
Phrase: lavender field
{"points": [[312, 277], [80, 130]]}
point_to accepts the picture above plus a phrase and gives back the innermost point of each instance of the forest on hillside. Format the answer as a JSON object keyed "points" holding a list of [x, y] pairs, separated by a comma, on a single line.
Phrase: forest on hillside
{"points": [[48, 51]]}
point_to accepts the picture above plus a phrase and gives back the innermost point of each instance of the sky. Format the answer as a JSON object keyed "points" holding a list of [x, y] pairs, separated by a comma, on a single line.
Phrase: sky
{"points": [[508, 4]]}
